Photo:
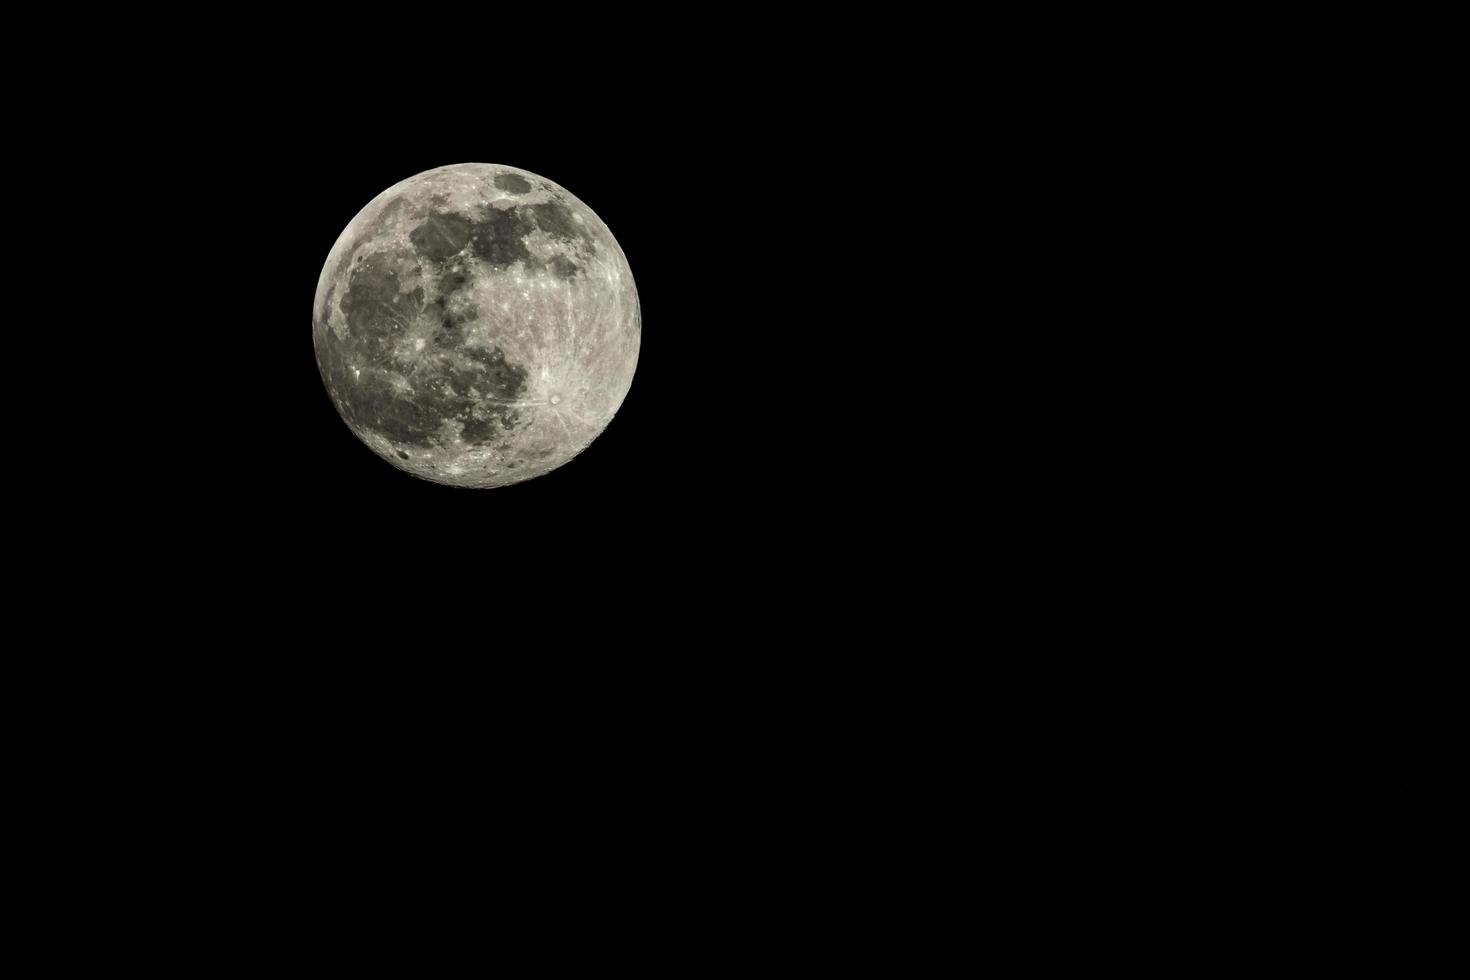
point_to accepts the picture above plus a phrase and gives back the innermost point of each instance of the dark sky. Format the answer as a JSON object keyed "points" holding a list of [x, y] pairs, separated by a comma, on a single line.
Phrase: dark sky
{"points": [[909, 503]]}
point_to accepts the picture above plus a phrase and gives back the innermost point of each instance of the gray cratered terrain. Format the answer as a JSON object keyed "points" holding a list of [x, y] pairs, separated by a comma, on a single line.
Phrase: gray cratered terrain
{"points": [[476, 325]]}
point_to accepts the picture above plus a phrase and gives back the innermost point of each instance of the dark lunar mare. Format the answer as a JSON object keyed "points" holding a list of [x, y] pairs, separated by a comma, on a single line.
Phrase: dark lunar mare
{"points": [[440, 236], [497, 236], [553, 218], [514, 183], [458, 383]]}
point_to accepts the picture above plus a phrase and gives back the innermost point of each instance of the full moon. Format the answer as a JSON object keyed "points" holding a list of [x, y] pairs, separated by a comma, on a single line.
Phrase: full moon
{"points": [[476, 325]]}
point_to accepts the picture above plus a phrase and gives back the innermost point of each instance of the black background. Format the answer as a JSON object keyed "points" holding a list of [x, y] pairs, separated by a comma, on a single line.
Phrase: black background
{"points": [[745, 596]]}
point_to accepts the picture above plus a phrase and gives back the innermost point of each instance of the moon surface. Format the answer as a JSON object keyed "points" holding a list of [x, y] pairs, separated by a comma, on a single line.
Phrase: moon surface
{"points": [[476, 325]]}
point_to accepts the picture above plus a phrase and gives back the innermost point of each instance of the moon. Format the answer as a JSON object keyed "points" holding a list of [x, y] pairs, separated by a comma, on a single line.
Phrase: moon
{"points": [[476, 325]]}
